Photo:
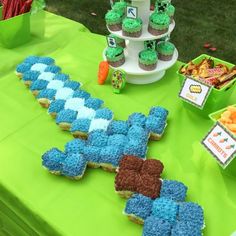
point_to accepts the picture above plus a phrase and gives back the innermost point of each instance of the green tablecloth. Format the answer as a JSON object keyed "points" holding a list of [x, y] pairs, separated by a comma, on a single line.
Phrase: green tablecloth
{"points": [[47, 204]]}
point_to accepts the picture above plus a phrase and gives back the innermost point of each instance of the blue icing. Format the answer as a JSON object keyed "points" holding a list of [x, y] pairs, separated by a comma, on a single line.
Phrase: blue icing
{"points": [[138, 133], [139, 205], [137, 119], [75, 146], [72, 84], [23, 67], [92, 154], [98, 138], [48, 76], [31, 75], [155, 124], [93, 103], [56, 106], [53, 159], [39, 84], [74, 165], [134, 148], [174, 190], [118, 127], [67, 116], [31, 60], [117, 140], [165, 209], [192, 212], [156, 227], [111, 155], [81, 125], [62, 77], [159, 112], [185, 229], [40, 67], [46, 60], [47, 93], [104, 113], [81, 94], [53, 69]]}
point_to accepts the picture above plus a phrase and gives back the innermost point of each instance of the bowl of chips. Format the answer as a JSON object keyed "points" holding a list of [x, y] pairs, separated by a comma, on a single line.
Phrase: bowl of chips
{"points": [[219, 74]]}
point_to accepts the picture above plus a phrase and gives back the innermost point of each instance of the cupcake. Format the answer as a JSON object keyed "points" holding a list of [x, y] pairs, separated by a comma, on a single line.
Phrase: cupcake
{"points": [[65, 118], [45, 97], [30, 76], [134, 148], [170, 12], [55, 107], [92, 154], [119, 41], [138, 119], [21, 69], [132, 27], [138, 208], [117, 140], [148, 60], [80, 128], [118, 127], [185, 228], [114, 20], [31, 60], [75, 146], [158, 23], [165, 50], [115, 56], [98, 138], [120, 7]]}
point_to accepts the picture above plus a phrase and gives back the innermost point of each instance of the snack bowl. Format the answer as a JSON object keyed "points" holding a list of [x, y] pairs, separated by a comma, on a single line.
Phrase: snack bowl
{"points": [[218, 98]]}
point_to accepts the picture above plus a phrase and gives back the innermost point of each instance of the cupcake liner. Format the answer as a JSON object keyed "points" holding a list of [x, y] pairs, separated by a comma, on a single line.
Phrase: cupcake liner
{"points": [[115, 27], [122, 44], [163, 57], [117, 63], [135, 219], [65, 125], [147, 67], [132, 34], [79, 134], [156, 32]]}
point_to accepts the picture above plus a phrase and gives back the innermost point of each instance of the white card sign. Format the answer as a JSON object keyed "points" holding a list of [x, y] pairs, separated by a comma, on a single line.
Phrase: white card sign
{"points": [[111, 42], [195, 92], [132, 12], [221, 144]]}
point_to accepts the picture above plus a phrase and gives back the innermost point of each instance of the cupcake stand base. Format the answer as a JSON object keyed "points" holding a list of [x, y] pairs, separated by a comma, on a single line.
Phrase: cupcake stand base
{"points": [[134, 74]]}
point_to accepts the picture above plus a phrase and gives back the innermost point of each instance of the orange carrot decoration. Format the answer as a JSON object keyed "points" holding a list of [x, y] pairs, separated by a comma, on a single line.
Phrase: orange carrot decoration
{"points": [[103, 72]]}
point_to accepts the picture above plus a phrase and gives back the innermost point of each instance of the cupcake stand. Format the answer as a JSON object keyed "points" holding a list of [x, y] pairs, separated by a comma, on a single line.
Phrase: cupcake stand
{"points": [[134, 74]]}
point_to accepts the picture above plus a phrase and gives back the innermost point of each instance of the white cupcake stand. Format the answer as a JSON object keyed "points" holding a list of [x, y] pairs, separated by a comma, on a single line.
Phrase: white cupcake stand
{"points": [[134, 74]]}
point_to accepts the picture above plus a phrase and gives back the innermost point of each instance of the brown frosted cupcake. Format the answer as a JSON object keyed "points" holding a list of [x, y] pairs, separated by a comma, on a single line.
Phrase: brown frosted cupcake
{"points": [[115, 56], [132, 27], [148, 60]]}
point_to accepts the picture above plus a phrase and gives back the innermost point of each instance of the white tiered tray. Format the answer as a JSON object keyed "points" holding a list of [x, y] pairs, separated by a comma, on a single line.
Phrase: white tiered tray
{"points": [[136, 75]]}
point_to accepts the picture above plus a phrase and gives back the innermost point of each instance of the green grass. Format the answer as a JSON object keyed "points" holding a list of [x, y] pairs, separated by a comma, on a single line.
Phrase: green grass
{"points": [[197, 22]]}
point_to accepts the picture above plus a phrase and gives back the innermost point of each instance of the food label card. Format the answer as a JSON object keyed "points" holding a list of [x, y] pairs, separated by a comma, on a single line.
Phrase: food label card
{"points": [[195, 92], [132, 12], [221, 144], [111, 42]]}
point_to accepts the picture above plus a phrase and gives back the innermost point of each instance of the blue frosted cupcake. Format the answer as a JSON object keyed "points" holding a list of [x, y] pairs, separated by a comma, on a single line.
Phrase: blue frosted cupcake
{"points": [[156, 227], [173, 190], [118, 127], [72, 84], [75, 146], [137, 119], [159, 112], [110, 158], [52, 160], [74, 166], [45, 97], [55, 107], [138, 208], [98, 138], [92, 154], [138, 134], [81, 94], [31, 60], [80, 128], [40, 67], [29, 77], [117, 140], [21, 69], [65, 118], [93, 103], [46, 60], [53, 69], [64, 93], [186, 229], [137, 149]]}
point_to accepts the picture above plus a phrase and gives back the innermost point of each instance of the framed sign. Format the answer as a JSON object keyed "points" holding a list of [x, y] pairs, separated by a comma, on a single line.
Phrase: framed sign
{"points": [[132, 12], [195, 92], [111, 42], [221, 143]]}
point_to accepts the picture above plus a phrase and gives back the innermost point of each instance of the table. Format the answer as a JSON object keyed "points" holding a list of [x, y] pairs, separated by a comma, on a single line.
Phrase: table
{"points": [[33, 202]]}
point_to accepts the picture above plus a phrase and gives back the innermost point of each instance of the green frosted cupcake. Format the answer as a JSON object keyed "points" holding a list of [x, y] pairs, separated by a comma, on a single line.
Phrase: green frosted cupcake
{"points": [[115, 56], [114, 20], [171, 12], [148, 59], [165, 50], [120, 7], [132, 27], [158, 23], [119, 41]]}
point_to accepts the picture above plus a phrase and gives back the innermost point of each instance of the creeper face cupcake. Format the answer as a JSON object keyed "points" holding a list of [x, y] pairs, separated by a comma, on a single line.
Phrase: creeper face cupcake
{"points": [[115, 56], [132, 27], [148, 59]]}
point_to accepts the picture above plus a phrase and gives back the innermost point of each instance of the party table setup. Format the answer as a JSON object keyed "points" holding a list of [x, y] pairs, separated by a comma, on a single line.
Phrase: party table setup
{"points": [[112, 135]]}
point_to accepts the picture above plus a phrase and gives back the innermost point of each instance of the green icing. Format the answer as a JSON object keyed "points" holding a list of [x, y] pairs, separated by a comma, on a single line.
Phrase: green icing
{"points": [[170, 10], [118, 40], [165, 48], [120, 6], [132, 25], [113, 17], [114, 54], [161, 19], [148, 57]]}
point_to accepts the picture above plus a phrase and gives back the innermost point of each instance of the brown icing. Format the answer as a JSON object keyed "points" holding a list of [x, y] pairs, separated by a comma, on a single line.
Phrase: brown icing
{"points": [[131, 163], [152, 167]]}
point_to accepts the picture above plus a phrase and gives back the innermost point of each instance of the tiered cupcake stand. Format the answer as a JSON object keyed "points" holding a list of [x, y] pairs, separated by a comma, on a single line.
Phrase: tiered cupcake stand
{"points": [[134, 74]]}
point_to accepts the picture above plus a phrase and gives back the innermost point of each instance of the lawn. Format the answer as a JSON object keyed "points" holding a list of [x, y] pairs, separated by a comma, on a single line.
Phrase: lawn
{"points": [[197, 22]]}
